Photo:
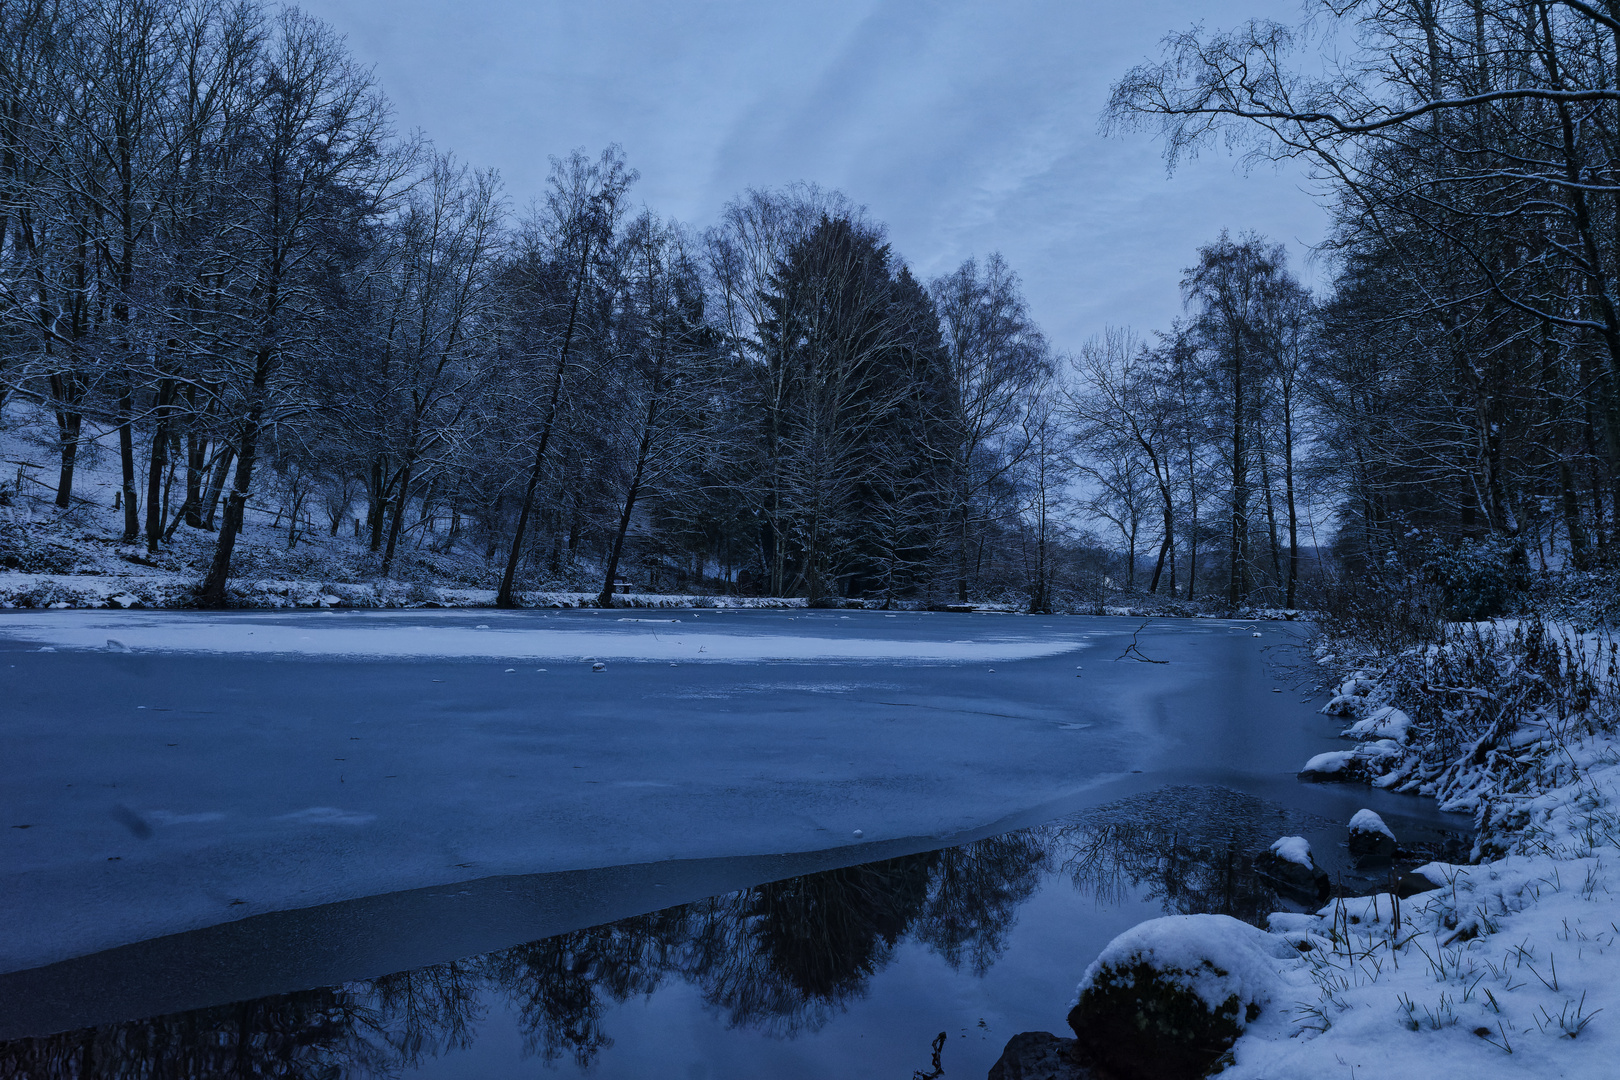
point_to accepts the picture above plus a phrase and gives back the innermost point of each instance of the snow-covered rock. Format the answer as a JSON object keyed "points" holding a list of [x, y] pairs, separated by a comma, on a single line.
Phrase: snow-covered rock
{"points": [[1294, 849], [1343, 705], [1333, 765], [1167, 998], [1352, 766], [1370, 838], [1291, 867], [1039, 1055]]}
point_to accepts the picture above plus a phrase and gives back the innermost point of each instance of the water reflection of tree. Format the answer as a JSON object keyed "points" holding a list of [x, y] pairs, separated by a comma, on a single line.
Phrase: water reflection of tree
{"points": [[1192, 849], [787, 955], [423, 1013], [975, 895], [561, 987], [783, 956], [306, 1036]]}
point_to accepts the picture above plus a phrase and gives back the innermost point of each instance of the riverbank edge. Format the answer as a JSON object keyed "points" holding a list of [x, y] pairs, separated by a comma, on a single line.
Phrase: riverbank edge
{"points": [[169, 591]]}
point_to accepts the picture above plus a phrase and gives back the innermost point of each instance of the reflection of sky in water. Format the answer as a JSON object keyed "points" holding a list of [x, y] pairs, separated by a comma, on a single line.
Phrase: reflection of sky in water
{"points": [[832, 973]]}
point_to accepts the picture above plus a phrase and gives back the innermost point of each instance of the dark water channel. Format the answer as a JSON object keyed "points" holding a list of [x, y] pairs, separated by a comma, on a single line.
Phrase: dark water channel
{"points": [[833, 961]]}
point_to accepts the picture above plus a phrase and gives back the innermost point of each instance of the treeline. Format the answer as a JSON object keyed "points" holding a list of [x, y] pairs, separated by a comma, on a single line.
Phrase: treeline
{"points": [[215, 248], [1456, 392]]}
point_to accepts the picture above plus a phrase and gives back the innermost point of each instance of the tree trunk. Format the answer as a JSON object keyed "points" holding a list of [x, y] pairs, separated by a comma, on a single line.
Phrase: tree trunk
{"points": [[212, 594], [504, 597], [126, 459], [216, 484], [1289, 495], [68, 426], [634, 490], [377, 497], [399, 516], [158, 465], [1237, 585], [196, 463]]}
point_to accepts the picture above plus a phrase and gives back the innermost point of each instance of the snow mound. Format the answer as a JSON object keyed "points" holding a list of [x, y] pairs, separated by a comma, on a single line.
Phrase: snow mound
{"points": [[1294, 849], [1212, 957], [1330, 763], [1343, 705], [1386, 722], [1168, 997], [1346, 765], [1369, 822]]}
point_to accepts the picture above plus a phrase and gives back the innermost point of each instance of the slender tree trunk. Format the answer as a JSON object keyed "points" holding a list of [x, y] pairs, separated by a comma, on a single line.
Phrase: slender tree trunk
{"points": [[1166, 544], [196, 462], [1290, 495], [605, 598], [158, 465], [68, 426], [126, 458], [398, 517], [504, 597], [1237, 585], [1271, 514], [212, 593], [377, 510], [216, 484]]}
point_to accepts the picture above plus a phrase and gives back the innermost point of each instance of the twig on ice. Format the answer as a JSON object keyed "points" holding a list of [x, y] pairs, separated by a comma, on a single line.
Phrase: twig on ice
{"points": [[1136, 653]]}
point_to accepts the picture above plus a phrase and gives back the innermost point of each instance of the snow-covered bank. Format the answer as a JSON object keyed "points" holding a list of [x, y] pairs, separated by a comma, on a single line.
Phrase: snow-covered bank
{"points": [[158, 589], [1507, 967]]}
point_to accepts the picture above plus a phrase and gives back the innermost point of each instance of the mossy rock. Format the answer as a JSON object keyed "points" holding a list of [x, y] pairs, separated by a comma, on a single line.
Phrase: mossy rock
{"points": [[1141, 1023], [1167, 999]]}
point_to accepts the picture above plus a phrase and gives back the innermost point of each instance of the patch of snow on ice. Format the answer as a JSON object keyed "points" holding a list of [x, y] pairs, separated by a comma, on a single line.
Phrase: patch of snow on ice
{"points": [[328, 815], [362, 635]]}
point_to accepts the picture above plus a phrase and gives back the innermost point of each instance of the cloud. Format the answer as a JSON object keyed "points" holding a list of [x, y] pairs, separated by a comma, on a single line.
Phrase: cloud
{"points": [[967, 127]]}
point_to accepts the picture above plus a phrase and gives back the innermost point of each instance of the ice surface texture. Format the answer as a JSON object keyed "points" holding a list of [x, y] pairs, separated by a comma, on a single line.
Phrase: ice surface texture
{"points": [[235, 764]]}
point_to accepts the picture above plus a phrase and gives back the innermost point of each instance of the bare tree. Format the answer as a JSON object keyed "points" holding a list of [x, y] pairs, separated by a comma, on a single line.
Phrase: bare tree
{"points": [[319, 153], [996, 356]]}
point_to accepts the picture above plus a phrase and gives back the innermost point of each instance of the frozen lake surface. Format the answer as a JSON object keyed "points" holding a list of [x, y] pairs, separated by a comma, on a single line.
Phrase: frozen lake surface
{"points": [[210, 808]]}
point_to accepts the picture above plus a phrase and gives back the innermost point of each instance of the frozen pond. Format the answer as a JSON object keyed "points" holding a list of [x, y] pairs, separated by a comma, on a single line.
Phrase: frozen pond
{"points": [[214, 809]]}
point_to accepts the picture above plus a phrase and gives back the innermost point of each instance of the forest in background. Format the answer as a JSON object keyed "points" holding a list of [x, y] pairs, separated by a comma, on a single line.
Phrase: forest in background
{"points": [[224, 275]]}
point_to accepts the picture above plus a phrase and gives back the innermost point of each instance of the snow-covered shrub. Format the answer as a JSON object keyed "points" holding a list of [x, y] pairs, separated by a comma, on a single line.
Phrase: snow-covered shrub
{"points": [[1167, 998], [32, 552], [1488, 713], [1585, 598], [1478, 579]]}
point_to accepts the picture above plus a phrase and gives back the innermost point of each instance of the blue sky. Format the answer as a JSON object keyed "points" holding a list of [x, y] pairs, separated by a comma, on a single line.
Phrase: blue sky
{"points": [[967, 127]]}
